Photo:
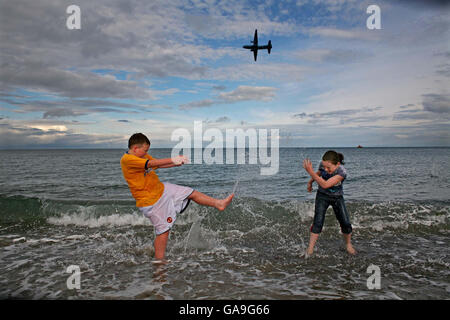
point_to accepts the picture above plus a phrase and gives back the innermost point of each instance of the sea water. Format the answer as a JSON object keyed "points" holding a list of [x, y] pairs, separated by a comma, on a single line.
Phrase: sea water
{"points": [[62, 208]]}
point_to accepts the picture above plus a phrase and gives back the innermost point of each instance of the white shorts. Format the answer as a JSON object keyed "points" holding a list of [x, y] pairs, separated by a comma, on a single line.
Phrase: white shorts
{"points": [[164, 212]]}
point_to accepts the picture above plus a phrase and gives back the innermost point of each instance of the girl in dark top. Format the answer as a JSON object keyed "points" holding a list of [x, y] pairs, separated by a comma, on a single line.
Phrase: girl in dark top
{"points": [[330, 178]]}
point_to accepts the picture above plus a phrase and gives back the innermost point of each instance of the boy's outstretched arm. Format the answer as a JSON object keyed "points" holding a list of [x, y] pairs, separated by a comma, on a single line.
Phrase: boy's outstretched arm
{"points": [[168, 162]]}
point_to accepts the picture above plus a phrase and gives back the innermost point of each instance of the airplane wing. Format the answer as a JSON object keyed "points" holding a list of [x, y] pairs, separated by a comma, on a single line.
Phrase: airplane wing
{"points": [[255, 39], [255, 53]]}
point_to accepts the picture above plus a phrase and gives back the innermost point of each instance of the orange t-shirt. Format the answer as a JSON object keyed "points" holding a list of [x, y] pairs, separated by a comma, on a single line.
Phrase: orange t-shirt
{"points": [[143, 182]]}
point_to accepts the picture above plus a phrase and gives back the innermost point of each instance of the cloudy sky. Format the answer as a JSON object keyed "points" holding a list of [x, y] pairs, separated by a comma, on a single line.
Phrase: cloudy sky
{"points": [[154, 66]]}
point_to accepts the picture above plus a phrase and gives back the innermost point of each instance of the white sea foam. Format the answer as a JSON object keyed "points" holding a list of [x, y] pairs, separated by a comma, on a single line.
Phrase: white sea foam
{"points": [[87, 220], [21, 239], [75, 237]]}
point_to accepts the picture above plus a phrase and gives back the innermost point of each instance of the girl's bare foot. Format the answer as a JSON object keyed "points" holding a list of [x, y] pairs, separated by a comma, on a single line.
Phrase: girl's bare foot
{"points": [[312, 242], [223, 203], [351, 250]]}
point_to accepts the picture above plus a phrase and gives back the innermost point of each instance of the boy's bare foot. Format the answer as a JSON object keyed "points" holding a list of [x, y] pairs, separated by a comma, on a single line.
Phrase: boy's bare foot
{"points": [[160, 261], [223, 203], [351, 250], [309, 251]]}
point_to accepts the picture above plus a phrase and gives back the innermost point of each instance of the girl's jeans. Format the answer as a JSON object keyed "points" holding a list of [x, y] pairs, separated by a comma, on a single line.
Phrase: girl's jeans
{"points": [[323, 201]]}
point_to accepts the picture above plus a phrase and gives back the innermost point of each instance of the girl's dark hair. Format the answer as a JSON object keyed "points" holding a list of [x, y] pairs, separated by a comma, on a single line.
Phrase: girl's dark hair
{"points": [[333, 156], [137, 138]]}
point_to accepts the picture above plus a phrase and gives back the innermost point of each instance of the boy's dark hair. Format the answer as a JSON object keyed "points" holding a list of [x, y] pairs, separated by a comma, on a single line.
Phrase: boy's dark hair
{"points": [[333, 156], [137, 138]]}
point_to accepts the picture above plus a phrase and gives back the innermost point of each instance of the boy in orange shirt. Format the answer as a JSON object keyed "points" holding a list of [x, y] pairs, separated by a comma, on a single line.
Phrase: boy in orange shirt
{"points": [[159, 201]]}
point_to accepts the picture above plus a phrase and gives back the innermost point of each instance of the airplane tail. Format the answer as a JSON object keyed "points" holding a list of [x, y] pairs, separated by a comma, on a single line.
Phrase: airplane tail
{"points": [[269, 46]]}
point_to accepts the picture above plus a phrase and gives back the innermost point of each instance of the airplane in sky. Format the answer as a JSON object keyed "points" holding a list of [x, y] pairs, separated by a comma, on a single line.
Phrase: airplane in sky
{"points": [[255, 46]]}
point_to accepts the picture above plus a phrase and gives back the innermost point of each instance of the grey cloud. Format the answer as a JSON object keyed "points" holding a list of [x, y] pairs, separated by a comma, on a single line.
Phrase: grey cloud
{"points": [[222, 119], [148, 39], [233, 19], [300, 115], [171, 64], [14, 136], [425, 3], [407, 106], [242, 93], [284, 72], [42, 26], [340, 33], [437, 103], [77, 107], [127, 6], [60, 112], [345, 114], [12, 95], [200, 23], [444, 70], [246, 93], [445, 54], [338, 56], [363, 119], [198, 104], [414, 115], [36, 76], [409, 111], [36, 47], [433, 30], [436, 107]]}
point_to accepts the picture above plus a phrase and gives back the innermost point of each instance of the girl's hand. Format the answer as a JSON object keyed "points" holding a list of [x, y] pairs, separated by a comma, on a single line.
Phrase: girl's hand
{"points": [[310, 189], [308, 165]]}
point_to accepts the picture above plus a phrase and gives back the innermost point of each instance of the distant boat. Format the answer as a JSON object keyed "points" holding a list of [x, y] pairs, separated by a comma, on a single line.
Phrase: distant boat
{"points": [[359, 146]]}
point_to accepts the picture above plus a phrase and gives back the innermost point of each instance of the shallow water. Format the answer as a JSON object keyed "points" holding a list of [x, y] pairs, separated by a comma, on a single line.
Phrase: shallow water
{"points": [[74, 208]]}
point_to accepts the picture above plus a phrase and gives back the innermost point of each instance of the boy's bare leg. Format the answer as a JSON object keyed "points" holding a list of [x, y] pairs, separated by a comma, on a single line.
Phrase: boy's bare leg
{"points": [[160, 244], [203, 199], [348, 243], [312, 242]]}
